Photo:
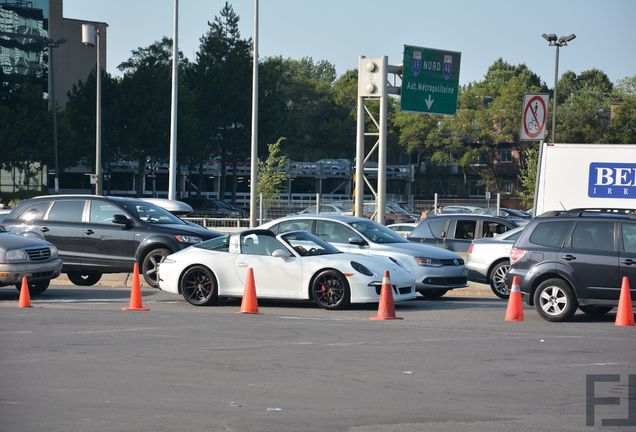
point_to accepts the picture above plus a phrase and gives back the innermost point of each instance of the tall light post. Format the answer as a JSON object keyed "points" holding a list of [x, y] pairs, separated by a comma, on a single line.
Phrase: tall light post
{"points": [[557, 42], [254, 140], [53, 107], [91, 37]]}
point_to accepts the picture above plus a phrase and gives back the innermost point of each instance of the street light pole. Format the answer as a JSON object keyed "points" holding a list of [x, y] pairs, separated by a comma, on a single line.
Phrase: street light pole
{"points": [[91, 37], [557, 42]]}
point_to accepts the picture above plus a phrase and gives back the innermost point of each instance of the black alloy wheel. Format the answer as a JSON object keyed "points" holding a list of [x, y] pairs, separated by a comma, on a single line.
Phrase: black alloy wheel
{"points": [[150, 265], [198, 286], [330, 290]]}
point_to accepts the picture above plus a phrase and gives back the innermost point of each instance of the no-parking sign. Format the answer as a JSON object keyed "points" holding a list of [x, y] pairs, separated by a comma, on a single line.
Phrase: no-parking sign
{"points": [[534, 117]]}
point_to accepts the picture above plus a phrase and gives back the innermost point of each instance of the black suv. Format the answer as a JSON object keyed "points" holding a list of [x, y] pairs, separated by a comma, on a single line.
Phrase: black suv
{"points": [[456, 231], [97, 234], [575, 258]]}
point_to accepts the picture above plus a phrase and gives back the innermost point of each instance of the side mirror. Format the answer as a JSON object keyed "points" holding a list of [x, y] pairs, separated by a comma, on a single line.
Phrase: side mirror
{"points": [[280, 253], [359, 241], [122, 220]]}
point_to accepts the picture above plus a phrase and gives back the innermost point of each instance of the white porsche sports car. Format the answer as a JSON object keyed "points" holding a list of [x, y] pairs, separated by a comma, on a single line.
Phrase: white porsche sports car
{"points": [[293, 265]]}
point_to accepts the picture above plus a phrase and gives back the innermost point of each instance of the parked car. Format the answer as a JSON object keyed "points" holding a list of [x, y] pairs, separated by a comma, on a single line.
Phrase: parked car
{"points": [[404, 228], [331, 208], [504, 212], [295, 265], [98, 234], [457, 231], [576, 258], [217, 208], [34, 258], [488, 260], [435, 270], [458, 209]]}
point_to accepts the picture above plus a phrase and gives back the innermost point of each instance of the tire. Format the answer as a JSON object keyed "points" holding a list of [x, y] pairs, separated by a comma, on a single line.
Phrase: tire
{"points": [[433, 294], [496, 279], [555, 301], [596, 310], [150, 264], [330, 290], [198, 286], [36, 287], [84, 278]]}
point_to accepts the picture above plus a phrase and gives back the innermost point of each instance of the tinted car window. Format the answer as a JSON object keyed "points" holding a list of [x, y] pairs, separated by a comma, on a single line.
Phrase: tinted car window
{"points": [[550, 233], [437, 227], [220, 244], [465, 229], [378, 233], [334, 232], [35, 212], [491, 228], [593, 236], [293, 225], [629, 238], [66, 211], [103, 212]]}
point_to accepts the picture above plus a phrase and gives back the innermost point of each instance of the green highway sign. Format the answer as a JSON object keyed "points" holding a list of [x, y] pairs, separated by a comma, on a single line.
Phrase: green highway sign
{"points": [[430, 79]]}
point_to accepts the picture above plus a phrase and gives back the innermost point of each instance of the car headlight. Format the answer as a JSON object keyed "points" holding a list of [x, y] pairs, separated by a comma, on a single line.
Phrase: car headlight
{"points": [[428, 262], [188, 239], [53, 250], [361, 269], [16, 255]]}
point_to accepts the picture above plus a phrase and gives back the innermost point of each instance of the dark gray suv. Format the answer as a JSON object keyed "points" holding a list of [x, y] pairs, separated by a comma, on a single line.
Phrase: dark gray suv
{"points": [[575, 259], [97, 234]]}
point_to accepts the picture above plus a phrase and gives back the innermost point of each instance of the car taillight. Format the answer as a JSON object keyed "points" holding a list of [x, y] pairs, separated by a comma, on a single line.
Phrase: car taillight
{"points": [[470, 248], [516, 255]]}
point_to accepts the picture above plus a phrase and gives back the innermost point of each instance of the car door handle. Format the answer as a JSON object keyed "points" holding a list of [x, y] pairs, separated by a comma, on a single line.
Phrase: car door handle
{"points": [[89, 231], [568, 257], [44, 229], [628, 261], [242, 264]]}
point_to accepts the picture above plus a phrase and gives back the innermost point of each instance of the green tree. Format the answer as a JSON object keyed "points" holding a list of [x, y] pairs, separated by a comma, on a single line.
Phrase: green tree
{"points": [[26, 132], [221, 83], [272, 173]]}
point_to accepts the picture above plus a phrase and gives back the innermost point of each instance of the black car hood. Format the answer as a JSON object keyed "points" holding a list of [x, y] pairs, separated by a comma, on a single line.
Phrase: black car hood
{"points": [[186, 229]]}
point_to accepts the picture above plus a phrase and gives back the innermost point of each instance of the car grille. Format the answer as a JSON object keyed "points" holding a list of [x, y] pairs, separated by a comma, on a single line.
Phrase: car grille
{"points": [[452, 262], [39, 254], [445, 281]]}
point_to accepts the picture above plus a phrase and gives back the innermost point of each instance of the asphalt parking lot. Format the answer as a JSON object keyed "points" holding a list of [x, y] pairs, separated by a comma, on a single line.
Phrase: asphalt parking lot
{"points": [[76, 362]]}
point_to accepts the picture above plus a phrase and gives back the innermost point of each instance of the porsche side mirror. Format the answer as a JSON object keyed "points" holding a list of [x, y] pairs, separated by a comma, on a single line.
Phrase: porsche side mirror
{"points": [[280, 253]]}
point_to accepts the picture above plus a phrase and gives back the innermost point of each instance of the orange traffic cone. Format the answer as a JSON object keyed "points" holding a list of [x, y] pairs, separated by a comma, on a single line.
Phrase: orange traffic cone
{"points": [[514, 311], [25, 298], [625, 313], [249, 304], [135, 293], [386, 308]]}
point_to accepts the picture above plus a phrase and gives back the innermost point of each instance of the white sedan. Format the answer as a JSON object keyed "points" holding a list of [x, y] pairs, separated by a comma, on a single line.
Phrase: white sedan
{"points": [[294, 265]]}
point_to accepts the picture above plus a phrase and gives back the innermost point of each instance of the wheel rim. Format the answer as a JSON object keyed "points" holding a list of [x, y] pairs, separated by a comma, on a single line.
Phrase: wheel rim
{"points": [[329, 290], [197, 286], [499, 278], [553, 300], [152, 264]]}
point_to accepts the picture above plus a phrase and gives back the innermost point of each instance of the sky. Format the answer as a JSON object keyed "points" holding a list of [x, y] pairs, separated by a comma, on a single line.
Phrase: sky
{"points": [[342, 30]]}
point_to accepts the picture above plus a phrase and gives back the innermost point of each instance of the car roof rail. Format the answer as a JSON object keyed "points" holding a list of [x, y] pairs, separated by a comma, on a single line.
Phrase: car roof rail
{"points": [[592, 212]]}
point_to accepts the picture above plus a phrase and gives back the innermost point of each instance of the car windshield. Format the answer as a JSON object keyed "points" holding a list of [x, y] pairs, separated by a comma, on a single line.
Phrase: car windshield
{"points": [[151, 213], [377, 233], [219, 244], [223, 204], [307, 244]]}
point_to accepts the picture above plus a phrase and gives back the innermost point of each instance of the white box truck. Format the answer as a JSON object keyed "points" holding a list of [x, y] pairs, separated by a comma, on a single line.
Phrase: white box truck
{"points": [[573, 176]]}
